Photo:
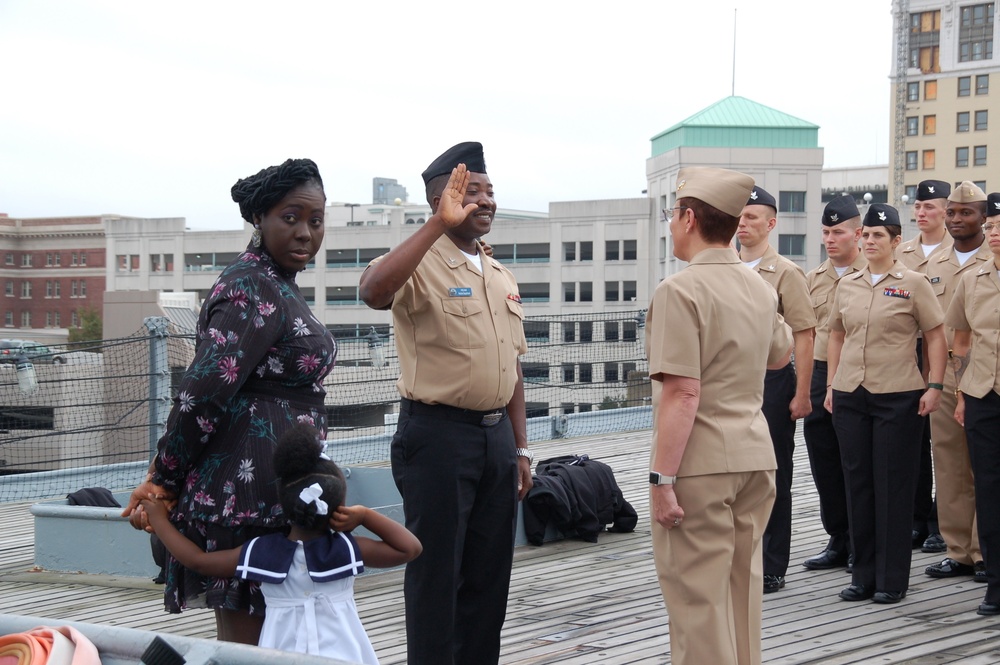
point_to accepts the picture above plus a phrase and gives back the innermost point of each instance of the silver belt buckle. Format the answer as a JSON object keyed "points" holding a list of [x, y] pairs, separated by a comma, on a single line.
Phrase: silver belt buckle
{"points": [[491, 419]]}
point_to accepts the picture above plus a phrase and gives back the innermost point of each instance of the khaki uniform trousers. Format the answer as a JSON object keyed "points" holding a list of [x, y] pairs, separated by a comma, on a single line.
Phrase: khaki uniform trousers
{"points": [[956, 494], [710, 568]]}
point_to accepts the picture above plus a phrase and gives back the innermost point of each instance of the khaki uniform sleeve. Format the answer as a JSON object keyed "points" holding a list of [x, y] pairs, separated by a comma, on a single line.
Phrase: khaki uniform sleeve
{"points": [[955, 317], [673, 334]]}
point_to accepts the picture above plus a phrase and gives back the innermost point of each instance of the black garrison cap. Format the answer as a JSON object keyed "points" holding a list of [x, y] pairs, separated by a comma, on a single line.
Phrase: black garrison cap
{"points": [[469, 153], [840, 209], [881, 214], [933, 189], [760, 197], [993, 204]]}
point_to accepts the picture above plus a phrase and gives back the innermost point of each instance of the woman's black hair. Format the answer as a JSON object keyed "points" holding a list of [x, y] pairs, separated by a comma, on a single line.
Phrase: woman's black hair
{"points": [[298, 464], [259, 193]]}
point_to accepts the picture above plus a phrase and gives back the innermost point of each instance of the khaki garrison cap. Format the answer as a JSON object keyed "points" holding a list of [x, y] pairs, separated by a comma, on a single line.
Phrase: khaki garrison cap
{"points": [[967, 192], [720, 188]]}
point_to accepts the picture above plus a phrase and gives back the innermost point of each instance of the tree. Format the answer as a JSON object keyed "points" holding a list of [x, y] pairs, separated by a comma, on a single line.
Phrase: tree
{"points": [[90, 330]]}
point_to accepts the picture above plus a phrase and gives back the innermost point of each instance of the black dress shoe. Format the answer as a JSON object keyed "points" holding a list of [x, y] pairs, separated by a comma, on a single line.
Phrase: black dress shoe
{"points": [[918, 538], [857, 592], [773, 582], [825, 560], [888, 597], [934, 544], [980, 574], [949, 568], [989, 609]]}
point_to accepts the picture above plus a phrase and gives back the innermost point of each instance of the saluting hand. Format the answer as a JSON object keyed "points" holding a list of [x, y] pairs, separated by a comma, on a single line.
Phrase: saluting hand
{"points": [[450, 209]]}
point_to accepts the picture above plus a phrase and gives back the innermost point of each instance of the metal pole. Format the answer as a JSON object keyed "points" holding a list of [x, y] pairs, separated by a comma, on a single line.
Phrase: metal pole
{"points": [[159, 379]]}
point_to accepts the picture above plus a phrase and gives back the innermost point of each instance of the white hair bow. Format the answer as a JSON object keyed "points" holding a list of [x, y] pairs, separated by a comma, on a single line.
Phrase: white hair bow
{"points": [[312, 494]]}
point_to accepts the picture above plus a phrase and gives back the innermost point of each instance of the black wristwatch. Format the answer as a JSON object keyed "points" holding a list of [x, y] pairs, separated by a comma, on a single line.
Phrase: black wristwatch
{"points": [[660, 479]]}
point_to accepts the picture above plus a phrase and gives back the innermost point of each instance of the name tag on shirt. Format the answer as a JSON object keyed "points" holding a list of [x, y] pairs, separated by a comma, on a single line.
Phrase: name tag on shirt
{"points": [[935, 280], [893, 292], [460, 292]]}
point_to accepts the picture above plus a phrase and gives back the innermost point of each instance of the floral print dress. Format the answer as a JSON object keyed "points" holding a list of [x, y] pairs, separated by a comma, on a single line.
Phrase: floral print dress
{"points": [[260, 359]]}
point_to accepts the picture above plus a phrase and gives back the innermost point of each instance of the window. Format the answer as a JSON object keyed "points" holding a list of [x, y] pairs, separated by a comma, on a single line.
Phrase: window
{"points": [[629, 250], [57, 291], [929, 158], [610, 372], [586, 331], [26, 260], [534, 292], [569, 331], [56, 320], [586, 374], [962, 123], [340, 295], [9, 259], [912, 126], [913, 92], [8, 319], [74, 319], [9, 288], [628, 290], [72, 289], [535, 372], [48, 258], [930, 89], [979, 155], [48, 289], [610, 291], [911, 194], [25, 289], [25, 319], [911, 160], [122, 262], [930, 125], [569, 251], [83, 289], [586, 292], [975, 34], [83, 258], [48, 319], [610, 331], [611, 250], [568, 373], [961, 157], [58, 258], [982, 120], [569, 292], [587, 251], [791, 244], [72, 260], [791, 201], [964, 86], [983, 84], [981, 184]]}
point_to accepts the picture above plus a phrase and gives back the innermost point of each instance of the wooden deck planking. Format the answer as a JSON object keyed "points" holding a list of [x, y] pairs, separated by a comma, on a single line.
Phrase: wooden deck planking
{"points": [[573, 602]]}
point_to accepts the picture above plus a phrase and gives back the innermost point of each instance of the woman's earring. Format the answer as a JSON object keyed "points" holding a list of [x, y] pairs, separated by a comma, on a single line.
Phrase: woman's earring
{"points": [[256, 237]]}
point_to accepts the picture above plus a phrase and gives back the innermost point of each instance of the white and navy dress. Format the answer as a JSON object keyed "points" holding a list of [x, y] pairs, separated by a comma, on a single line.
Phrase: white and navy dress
{"points": [[308, 588]]}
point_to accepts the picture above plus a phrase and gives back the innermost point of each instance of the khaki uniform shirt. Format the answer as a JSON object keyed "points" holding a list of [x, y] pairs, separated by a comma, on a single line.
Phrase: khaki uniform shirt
{"points": [[881, 324], [716, 322], [945, 273], [976, 307], [789, 281], [458, 332], [822, 284], [911, 252]]}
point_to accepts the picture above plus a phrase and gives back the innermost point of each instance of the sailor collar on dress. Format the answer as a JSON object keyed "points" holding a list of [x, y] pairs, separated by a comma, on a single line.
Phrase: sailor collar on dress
{"points": [[332, 556]]}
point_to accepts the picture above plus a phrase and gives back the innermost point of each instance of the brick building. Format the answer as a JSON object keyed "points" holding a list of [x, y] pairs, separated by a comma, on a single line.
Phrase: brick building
{"points": [[50, 269]]}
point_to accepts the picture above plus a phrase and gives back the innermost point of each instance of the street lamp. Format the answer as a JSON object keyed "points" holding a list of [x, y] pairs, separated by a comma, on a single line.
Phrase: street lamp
{"points": [[352, 206], [376, 350]]}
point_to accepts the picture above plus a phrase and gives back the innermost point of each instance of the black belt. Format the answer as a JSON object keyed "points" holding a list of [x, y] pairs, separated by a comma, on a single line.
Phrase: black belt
{"points": [[453, 413]]}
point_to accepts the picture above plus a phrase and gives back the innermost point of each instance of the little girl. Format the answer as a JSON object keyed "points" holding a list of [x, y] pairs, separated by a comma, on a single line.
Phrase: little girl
{"points": [[308, 575]]}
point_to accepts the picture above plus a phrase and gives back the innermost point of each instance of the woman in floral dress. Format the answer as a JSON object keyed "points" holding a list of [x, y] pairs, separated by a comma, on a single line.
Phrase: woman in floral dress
{"points": [[259, 365]]}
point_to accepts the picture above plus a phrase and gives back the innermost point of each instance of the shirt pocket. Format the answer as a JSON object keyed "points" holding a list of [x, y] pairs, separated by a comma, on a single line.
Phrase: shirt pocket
{"points": [[821, 307], [516, 322], [464, 323]]}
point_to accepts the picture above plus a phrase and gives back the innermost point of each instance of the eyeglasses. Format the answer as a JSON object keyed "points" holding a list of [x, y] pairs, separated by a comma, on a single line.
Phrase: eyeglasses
{"points": [[668, 213], [991, 226]]}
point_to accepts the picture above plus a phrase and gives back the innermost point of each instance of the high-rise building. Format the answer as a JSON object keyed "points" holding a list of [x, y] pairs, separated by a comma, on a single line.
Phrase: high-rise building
{"points": [[944, 122]]}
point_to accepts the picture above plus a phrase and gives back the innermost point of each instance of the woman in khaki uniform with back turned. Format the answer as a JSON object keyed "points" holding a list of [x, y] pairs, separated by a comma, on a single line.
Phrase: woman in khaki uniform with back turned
{"points": [[877, 398]]}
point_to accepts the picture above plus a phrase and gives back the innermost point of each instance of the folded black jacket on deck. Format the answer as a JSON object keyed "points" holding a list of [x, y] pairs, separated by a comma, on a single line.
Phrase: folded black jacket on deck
{"points": [[578, 496]]}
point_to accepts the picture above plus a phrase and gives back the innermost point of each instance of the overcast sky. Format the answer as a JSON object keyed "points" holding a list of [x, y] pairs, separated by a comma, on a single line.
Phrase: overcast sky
{"points": [[155, 109]]}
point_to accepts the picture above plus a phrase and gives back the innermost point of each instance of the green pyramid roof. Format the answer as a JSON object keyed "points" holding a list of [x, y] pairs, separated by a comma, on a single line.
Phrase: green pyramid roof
{"points": [[737, 122]]}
